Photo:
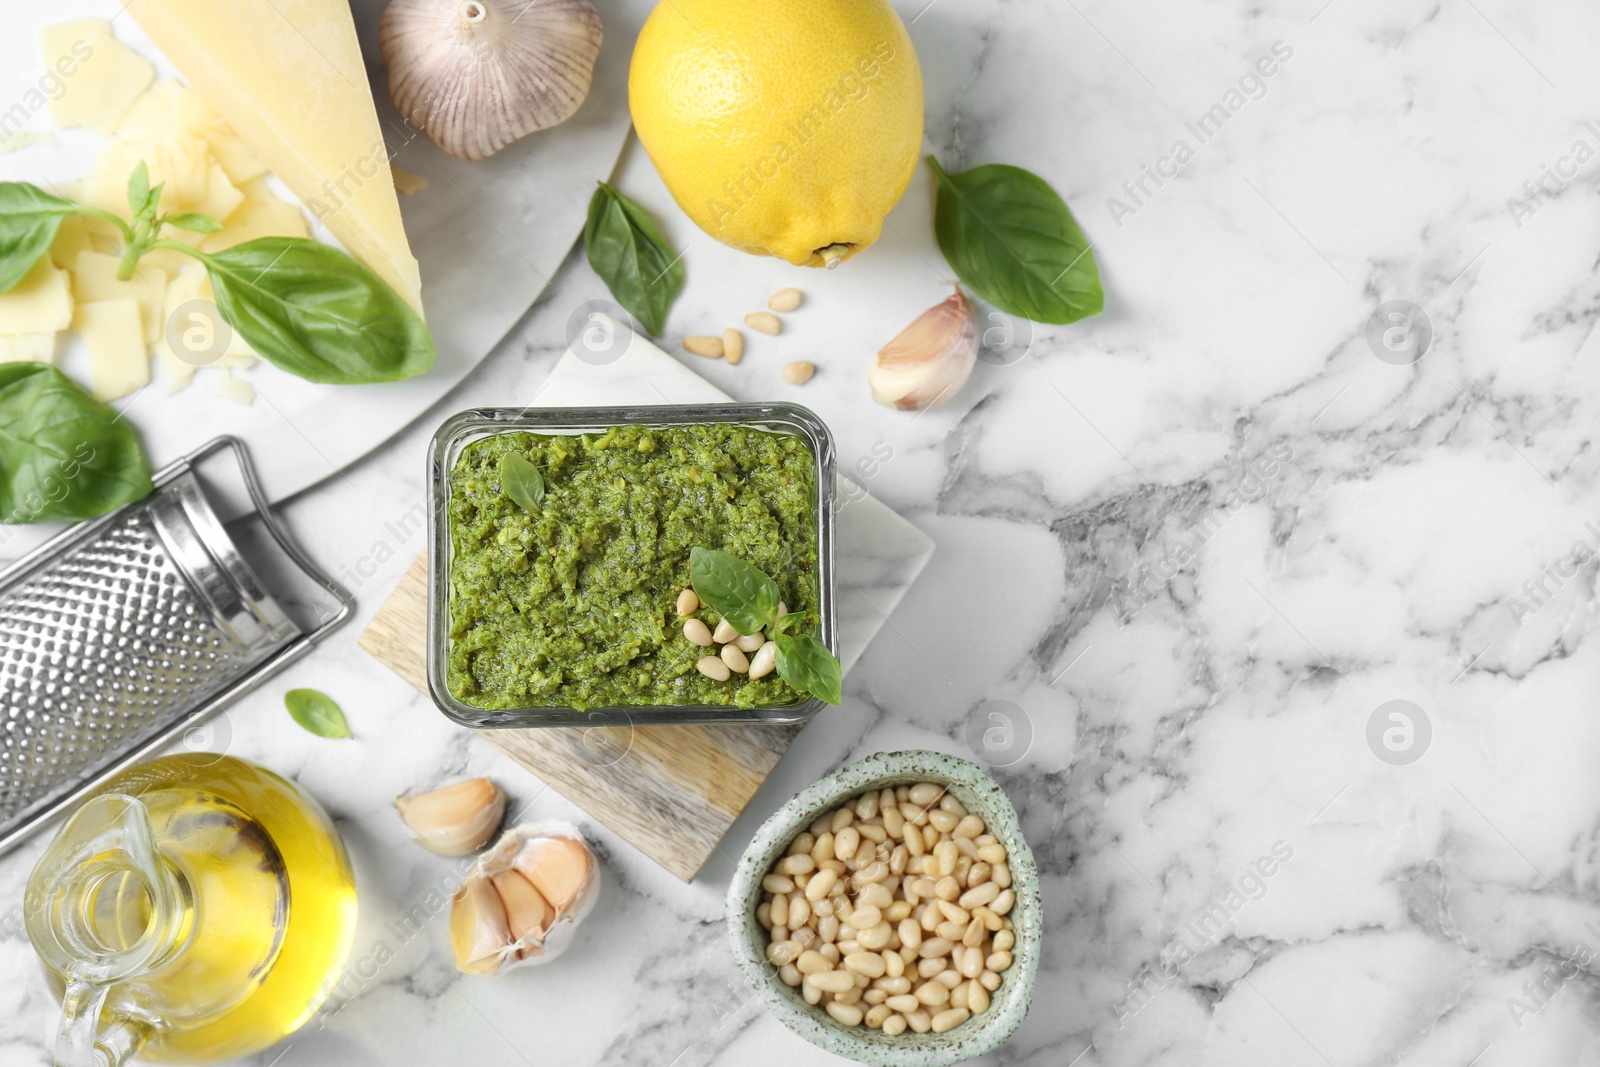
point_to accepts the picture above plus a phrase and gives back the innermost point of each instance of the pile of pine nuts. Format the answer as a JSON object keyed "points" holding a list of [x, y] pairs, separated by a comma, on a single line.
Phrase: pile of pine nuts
{"points": [[730, 346], [735, 656], [891, 912]]}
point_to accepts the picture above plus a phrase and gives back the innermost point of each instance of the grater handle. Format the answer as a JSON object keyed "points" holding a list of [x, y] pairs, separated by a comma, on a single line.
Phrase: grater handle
{"points": [[258, 497]]}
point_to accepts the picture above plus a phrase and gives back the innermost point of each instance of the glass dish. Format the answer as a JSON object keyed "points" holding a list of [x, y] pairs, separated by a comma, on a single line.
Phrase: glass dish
{"points": [[469, 426]]}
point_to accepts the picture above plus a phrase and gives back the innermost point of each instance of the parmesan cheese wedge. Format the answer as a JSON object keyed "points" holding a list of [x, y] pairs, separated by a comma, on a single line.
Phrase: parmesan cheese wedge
{"points": [[101, 76], [112, 332], [94, 279], [39, 303], [289, 78]]}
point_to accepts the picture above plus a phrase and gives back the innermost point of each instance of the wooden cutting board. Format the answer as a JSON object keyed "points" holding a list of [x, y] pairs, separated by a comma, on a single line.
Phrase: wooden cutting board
{"points": [[670, 791]]}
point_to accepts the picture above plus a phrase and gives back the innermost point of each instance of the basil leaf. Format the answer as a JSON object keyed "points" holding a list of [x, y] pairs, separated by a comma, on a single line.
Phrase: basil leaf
{"points": [[1013, 241], [188, 220], [317, 312], [63, 454], [29, 218], [139, 192], [521, 481], [632, 257], [317, 713], [734, 589], [807, 665]]}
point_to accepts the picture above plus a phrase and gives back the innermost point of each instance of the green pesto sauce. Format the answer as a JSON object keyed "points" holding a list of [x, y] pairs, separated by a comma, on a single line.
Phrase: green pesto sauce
{"points": [[575, 605]]}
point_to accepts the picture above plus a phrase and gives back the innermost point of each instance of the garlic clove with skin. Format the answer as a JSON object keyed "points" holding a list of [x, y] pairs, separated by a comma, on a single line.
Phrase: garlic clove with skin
{"points": [[456, 820], [476, 75], [479, 931], [557, 866], [929, 361], [528, 913]]}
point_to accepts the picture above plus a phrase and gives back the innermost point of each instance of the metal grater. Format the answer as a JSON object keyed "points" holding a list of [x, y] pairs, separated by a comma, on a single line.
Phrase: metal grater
{"points": [[128, 628]]}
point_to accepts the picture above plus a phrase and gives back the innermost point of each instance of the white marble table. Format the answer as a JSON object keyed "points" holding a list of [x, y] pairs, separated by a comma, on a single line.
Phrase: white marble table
{"points": [[1194, 545]]}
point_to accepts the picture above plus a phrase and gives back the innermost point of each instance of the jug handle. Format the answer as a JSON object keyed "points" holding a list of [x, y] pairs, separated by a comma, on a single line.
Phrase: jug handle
{"points": [[77, 1042], [80, 1011]]}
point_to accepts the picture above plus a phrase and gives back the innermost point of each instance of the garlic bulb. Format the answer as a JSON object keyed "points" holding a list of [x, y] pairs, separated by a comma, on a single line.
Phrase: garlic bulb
{"points": [[929, 361], [455, 820], [523, 899], [476, 75]]}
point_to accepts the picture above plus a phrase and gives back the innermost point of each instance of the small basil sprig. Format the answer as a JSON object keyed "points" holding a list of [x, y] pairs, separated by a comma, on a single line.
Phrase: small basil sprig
{"points": [[63, 454], [631, 257], [1012, 240], [316, 713], [745, 596], [307, 307], [521, 481]]}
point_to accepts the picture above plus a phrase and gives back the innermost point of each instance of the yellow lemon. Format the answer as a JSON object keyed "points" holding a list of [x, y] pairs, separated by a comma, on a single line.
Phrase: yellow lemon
{"points": [[782, 127]]}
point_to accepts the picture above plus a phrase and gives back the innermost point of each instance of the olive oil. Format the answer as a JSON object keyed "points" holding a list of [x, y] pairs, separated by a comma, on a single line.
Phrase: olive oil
{"points": [[265, 918]]}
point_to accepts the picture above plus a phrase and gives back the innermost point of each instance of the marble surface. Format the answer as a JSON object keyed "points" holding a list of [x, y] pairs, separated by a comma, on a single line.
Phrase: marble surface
{"points": [[1189, 550]]}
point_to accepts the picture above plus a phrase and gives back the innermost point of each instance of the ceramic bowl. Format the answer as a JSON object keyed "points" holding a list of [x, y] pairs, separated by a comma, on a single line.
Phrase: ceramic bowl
{"points": [[972, 786]]}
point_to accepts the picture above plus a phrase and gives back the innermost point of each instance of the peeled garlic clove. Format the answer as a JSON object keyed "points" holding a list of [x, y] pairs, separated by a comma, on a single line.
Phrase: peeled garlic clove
{"points": [[456, 820], [479, 931], [528, 913], [557, 866], [930, 360], [476, 75]]}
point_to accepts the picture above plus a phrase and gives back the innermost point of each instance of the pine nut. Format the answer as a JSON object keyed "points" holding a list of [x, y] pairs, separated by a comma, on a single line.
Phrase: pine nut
{"points": [[823, 849], [701, 345], [847, 1014], [812, 995], [894, 1025], [934, 947], [713, 668], [952, 805], [878, 896], [831, 981], [801, 844], [946, 1020], [970, 963], [929, 968], [950, 978], [898, 912], [777, 883], [750, 642], [905, 1002], [992, 853], [925, 794], [998, 961], [828, 927], [732, 346], [1003, 903], [801, 864], [893, 822], [724, 632], [766, 659], [1001, 876], [874, 997], [790, 974], [865, 917], [819, 885], [910, 933], [958, 996], [989, 980], [1004, 941], [867, 805], [950, 931], [977, 874], [812, 962], [945, 854], [970, 826], [688, 603], [782, 953], [983, 894], [780, 911], [895, 987], [867, 963], [893, 965], [877, 1016], [762, 322], [977, 998], [697, 632], [736, 661], [931, 994], [873, 832], [785, 300], [799, 372], [846, 840], [947, 888], [974, 935], [799, 910], [921, 1020], [876, 937]]}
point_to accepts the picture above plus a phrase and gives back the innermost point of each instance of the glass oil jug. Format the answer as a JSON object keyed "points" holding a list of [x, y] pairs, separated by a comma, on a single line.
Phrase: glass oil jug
{"points": [[198, 908]]}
